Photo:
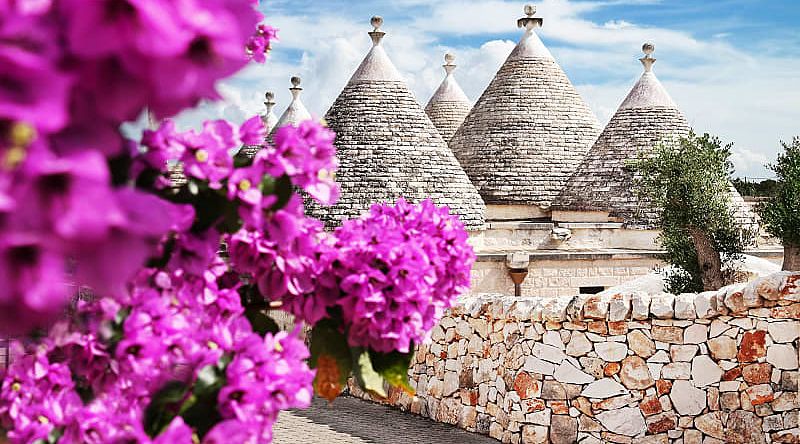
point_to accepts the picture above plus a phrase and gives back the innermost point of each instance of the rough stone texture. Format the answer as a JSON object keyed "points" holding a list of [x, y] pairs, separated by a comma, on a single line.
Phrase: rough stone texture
{"points": [[563, 429], [448, 106], [744, 428], [524, 385], [625, 421], [602, 182], [527, 133], [635, 374], [388, 148]]}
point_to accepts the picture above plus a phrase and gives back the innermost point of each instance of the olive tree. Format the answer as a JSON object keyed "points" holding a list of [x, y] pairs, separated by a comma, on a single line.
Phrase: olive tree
{"points": [[688, 179], [781, 214]]}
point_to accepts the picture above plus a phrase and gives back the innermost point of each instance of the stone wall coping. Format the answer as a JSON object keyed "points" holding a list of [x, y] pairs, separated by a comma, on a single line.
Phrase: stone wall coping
{"points": [[591, 225], [516, 225], [763, 297], [499, 255], [544, 255]]}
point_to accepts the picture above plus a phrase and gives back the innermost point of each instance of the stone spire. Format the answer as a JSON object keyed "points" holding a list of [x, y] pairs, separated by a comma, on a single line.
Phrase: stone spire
{"points": [[270, 121], [296, 112], [388, 147], [269, 118], [602, 187], [648, 91], [527, 133], [449, 105]]}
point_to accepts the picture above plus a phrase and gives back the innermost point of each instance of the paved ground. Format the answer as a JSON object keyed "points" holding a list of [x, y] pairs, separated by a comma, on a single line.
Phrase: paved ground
{"points": [[352, 421]]}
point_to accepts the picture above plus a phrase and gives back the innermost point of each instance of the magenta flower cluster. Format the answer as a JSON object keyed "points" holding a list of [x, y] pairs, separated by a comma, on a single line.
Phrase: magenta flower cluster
{"points": [[174, 344], [175, 326], [389, 274], [397, 270], [71, 72]]}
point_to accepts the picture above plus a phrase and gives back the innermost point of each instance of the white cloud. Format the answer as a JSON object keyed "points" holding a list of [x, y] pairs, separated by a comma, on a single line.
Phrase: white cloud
{"points": [[748, 98]]}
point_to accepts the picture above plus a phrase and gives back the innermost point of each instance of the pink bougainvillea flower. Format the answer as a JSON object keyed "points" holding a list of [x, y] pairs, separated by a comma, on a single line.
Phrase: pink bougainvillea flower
{"points": [[34, 283], [32, 90], [307, 155], [120, 27], [261, 42]]}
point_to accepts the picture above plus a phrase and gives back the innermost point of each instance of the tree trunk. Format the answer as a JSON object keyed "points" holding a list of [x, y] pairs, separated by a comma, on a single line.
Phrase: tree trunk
{"points": [[708, 260], [791, 256]]}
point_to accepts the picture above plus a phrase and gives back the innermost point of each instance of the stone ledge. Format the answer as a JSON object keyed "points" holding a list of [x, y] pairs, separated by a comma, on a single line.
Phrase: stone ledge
{"points": [[591, 225], [519, 226], [548, 255], [764, 297]]}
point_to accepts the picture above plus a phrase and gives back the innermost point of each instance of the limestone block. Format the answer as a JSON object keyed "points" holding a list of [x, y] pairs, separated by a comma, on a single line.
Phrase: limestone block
{"points": [[686, 398], [604, 388], [662, 306], [705, 371], [782, 356], [640, 344], [626, 421], [611, 351]]}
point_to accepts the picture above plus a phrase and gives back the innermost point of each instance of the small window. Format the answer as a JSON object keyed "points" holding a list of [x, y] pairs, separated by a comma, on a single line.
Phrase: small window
{"points": [[591, 290]]}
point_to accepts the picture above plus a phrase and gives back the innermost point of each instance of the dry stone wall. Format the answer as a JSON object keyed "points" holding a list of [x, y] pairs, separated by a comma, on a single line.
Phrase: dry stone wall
{"points": [[703, 368]]}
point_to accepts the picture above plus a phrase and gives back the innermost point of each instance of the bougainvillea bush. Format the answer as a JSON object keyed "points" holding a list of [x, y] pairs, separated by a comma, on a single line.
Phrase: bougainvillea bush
{"points": [[171, 341]]}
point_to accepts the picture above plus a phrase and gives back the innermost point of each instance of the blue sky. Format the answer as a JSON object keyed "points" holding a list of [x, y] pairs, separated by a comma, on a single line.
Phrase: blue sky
{"points": [[733, 66]]}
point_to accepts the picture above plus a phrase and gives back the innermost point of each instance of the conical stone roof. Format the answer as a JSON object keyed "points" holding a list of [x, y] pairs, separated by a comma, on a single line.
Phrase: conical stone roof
{"points": [[529, 130], [296, 112], [388, 148], [448, 106], [602, 182]]}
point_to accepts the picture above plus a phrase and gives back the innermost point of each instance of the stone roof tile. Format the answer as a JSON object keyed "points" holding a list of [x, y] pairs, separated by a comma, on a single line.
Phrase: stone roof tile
{"points": [[529, 130], [603, 182], [388, 148], [448, 106]]}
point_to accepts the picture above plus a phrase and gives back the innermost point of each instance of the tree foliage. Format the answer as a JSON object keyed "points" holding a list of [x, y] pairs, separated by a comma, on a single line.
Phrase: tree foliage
{"points": [[781, 214], [689, 180], [763, 188]]}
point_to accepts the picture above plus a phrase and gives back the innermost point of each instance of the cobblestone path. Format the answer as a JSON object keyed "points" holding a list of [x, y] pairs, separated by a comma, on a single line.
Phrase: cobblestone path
{"points": [[353, 421]]}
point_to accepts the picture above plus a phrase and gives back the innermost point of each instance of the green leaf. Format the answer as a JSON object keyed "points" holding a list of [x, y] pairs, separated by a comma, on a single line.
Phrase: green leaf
{"points": [[330, 355], [210, 208], [210, 379], [369, 379], [200, 409], [164, 407], [393, 367], [117, 328], [202, 414], [260, 321], [55, 435], [284, 191], [240, 160]]}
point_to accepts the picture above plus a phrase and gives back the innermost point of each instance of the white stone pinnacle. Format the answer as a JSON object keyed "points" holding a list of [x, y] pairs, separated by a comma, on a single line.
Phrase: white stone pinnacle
{"points": [[529, 22], [648, 60], [296, 112], [449, 66], [376, 22], [269, 118], [376, 66], [376, 34]]}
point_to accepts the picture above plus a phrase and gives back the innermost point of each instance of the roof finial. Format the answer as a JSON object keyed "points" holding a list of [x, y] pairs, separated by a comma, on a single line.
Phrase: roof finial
{"points": [[529, 22], [269, 101], [648, 59], [295, 89], [376, 34], [449, 66]]}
